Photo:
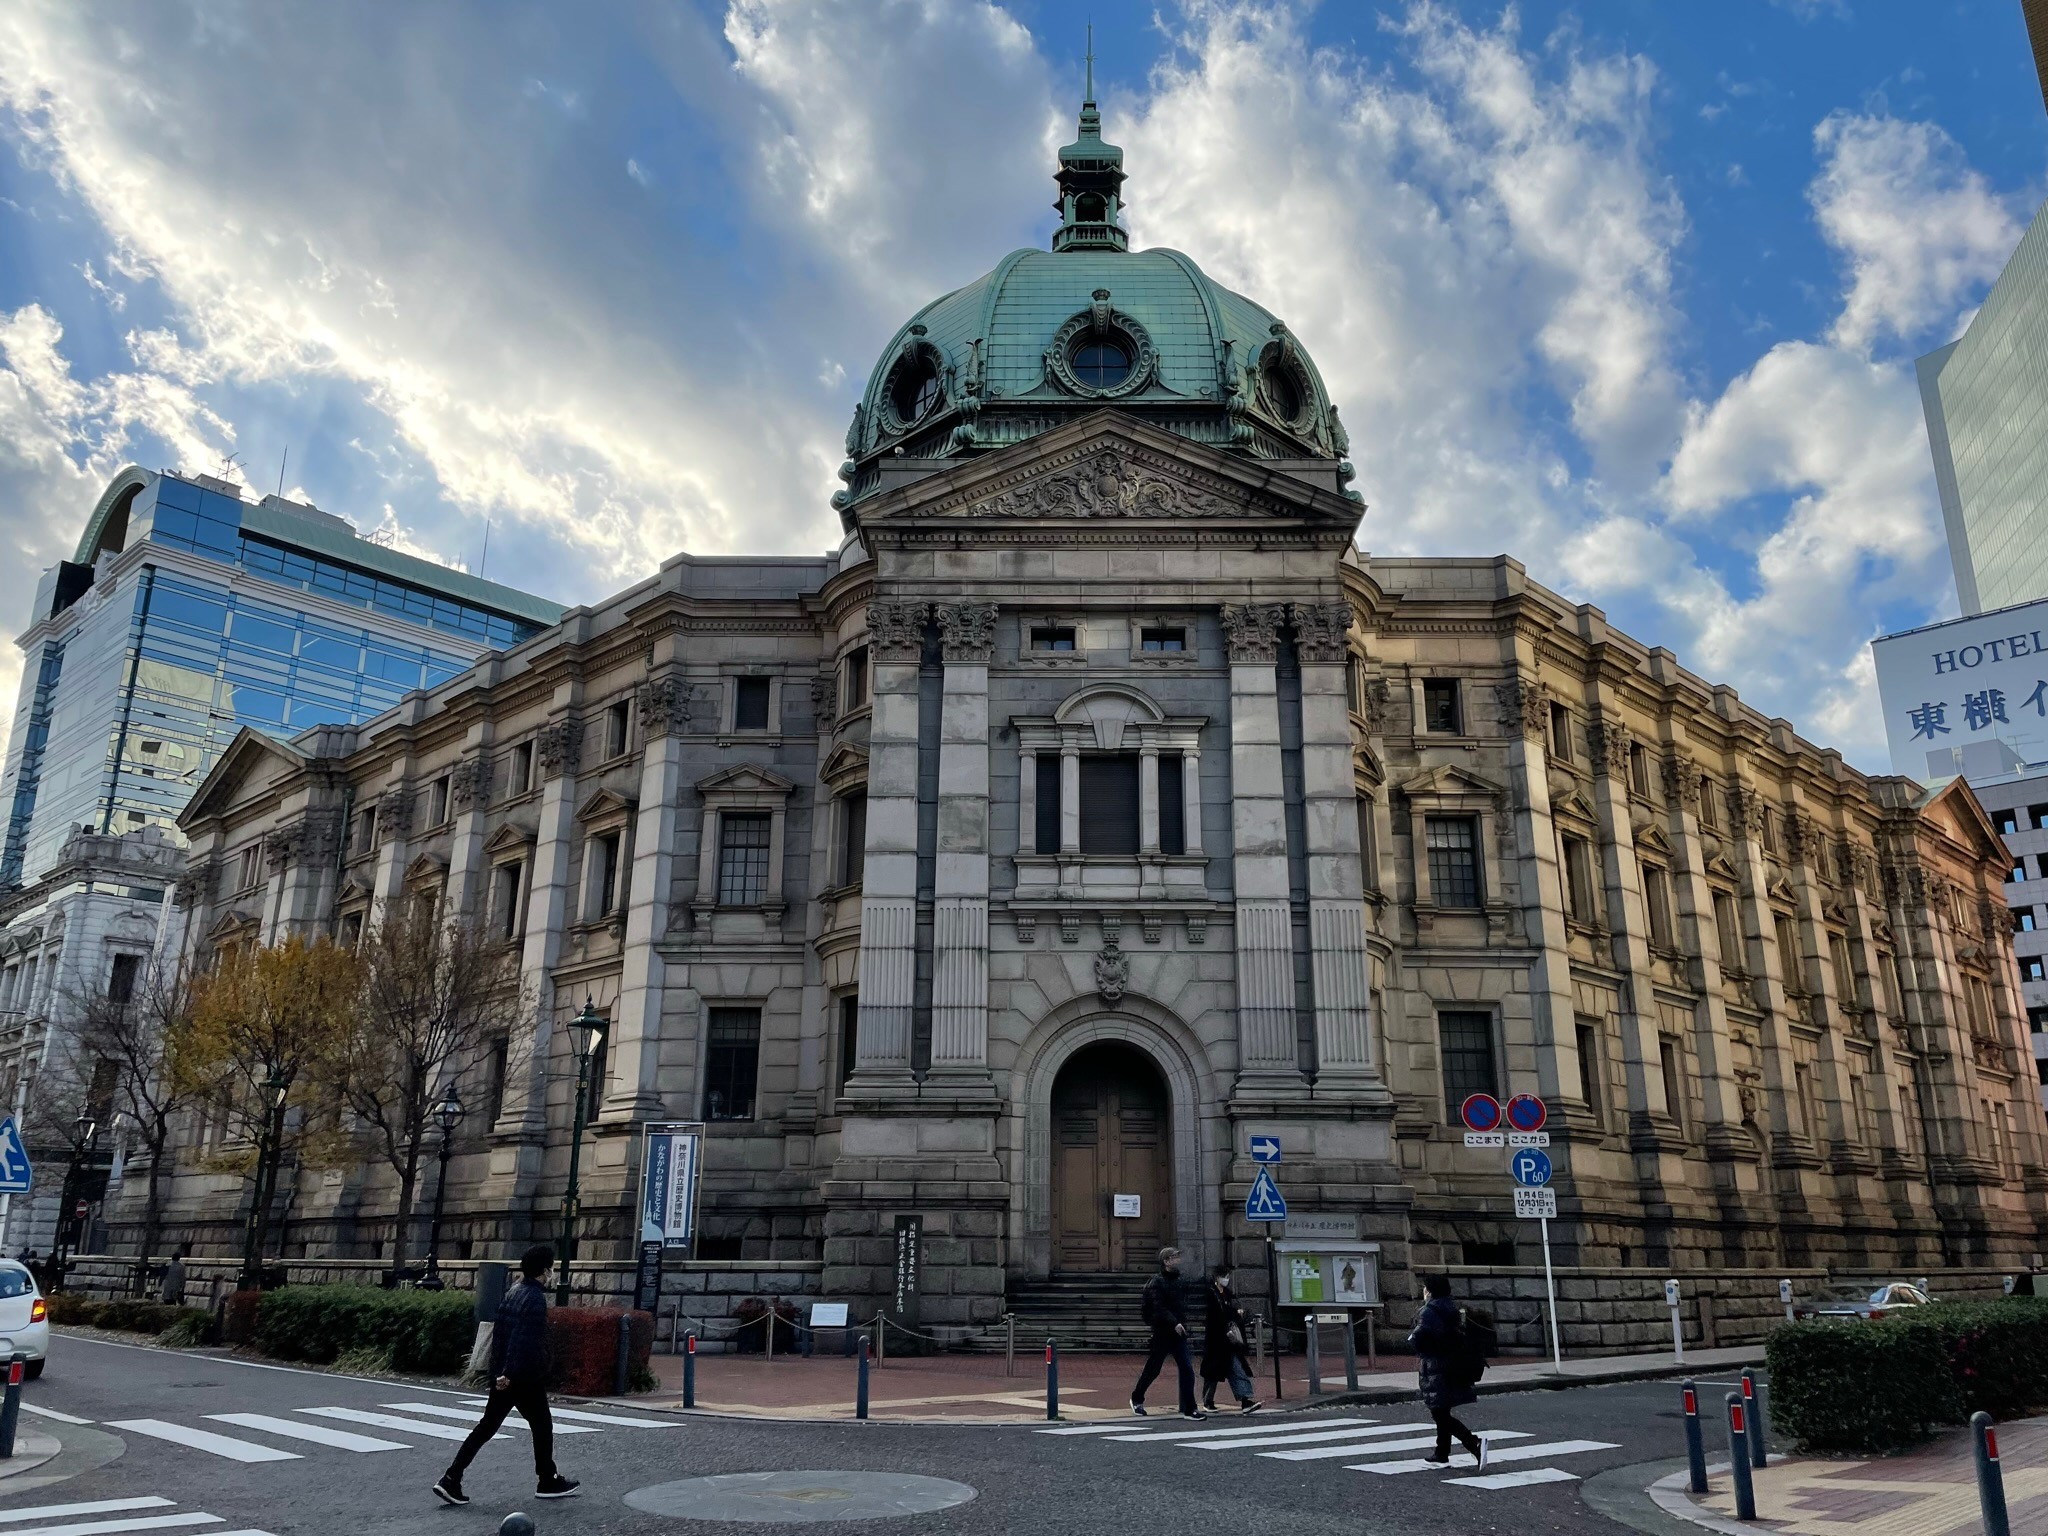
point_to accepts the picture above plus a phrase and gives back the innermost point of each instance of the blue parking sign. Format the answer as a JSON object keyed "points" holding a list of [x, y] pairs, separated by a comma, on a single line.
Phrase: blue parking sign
{"points": [[1531, 1167]]}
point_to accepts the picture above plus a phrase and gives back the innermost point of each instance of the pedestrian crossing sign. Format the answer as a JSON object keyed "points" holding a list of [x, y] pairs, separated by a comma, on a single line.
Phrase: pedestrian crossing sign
{"points": [[14, 1165], [1264, 1202]]}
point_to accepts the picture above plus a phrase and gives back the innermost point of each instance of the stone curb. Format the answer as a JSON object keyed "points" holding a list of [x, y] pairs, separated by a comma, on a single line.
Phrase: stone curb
{"points": [[1672, 1495], [1549, 1381], [31, 1450]]}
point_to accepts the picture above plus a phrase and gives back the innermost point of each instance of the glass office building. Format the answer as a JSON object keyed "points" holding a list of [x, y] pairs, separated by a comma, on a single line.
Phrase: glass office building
{"points": [[188, 613]]}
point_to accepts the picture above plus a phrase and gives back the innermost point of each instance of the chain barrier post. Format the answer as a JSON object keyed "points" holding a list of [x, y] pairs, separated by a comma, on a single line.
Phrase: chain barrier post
{"points": [[1759, 1456], [860, 1401], [1350, 1353], [1009, 1343], [1990, 1477], [1695, 1443], [1738, 1459], [1315, 1358], [690, 1369], [1052, 1379]]}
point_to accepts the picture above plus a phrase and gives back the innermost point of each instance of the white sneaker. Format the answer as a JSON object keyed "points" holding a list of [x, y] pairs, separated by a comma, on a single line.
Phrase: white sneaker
{"points": [[1485, 1452]]}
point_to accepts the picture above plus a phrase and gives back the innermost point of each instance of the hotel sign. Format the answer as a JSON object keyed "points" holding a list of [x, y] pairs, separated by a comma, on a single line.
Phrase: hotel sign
{"points": [[1983, 678]]}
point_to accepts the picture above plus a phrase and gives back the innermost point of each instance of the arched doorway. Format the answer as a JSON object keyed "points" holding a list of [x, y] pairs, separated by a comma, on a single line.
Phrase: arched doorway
{"points": [[1110, 1124]]}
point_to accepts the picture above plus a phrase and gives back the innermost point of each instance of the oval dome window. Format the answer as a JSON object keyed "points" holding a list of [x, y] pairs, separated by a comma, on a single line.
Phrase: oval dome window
{"points": [[1101, 364], [916, 392]]}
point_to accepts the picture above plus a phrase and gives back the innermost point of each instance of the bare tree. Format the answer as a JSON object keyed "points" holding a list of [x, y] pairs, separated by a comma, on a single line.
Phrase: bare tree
{"points": [[433, 993]]}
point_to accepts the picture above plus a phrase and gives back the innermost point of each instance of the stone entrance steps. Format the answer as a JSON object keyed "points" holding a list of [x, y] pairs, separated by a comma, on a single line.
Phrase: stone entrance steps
{"points": [[1086, 1313]]}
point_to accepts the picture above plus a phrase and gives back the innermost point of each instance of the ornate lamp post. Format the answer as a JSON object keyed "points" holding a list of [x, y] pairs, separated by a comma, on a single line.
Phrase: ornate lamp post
{"points": [[589, 1027], [85, 1133], [269, 1152], [447, 1114]]}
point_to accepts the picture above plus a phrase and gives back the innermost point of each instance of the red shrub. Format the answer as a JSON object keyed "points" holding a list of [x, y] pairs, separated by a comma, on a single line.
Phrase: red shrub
{"points": [[239, 1325], [583, 1349]]}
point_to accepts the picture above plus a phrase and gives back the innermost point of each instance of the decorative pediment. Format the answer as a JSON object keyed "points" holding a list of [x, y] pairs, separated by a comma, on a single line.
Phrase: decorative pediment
{"points": [[510, 838], [250, 758], [1449, 782], [231, 924], [605, 805], [1651, 839], [846, 766], [1366, 765], [426, 870], [1778, 888], [355, 888], [1718, 865], [744, 779]]}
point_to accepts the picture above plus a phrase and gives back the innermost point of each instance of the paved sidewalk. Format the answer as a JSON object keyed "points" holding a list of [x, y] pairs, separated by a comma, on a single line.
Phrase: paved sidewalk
{"points": [[1931, 1491]]}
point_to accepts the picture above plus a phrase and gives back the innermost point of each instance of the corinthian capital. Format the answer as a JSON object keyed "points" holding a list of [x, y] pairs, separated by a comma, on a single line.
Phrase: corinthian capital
{"points": [[967, 631], [1253, 630]]}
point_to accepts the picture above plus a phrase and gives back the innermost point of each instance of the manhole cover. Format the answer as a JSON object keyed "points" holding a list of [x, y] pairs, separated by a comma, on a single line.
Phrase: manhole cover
{"points": [[793, 1497]]}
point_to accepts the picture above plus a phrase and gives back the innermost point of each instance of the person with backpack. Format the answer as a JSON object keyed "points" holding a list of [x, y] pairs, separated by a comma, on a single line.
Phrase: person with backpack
{"points": [[1225, 1354], [1164, 1315], [1450, 1361]]}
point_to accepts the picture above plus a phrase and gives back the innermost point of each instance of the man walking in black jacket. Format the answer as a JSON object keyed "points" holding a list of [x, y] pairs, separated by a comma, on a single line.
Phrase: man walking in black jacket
{"points": [[519, 1379], [1167, 1319]]}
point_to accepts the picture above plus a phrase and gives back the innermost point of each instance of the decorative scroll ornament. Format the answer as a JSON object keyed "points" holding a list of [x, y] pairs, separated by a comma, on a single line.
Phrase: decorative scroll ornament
{"points": [[560, 748], [1253, 630], [825, 698], [1523, 705], [1112, 972], [1104, 485], [470, 783], [664, 706], [896, 630], [1608, 741], [394, 814], [1378, 699], [967, 631], [1320, 629], [1682, 779]]}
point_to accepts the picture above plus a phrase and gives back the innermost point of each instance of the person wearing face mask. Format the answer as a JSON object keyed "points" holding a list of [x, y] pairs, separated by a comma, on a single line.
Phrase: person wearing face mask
{"points": [[1225, 1353], [1167, 1318]]}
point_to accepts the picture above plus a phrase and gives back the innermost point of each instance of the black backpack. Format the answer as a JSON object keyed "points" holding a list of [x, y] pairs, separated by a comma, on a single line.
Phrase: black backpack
{"points": [[1478, 1342]]}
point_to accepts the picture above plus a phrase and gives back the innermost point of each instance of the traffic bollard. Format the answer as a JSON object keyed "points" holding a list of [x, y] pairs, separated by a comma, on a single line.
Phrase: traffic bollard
{"points": [[860, 1400], [10, 1408], [516, 1524], [1758, 1456], [1695, 1444], [1350, 1356], [1990, 1479], [1738, 1459], [622, 1366], [690, 1369], [1315, 1359], [1052, 1379]]}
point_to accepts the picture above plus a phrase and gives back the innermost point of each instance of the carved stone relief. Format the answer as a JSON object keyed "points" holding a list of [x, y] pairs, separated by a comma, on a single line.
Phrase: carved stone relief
{"points": [[1253, 630], [664, 706], [560, 748], [896, 630], [967, 631], [1522, 705], [1106, 484], [1320, 629]]}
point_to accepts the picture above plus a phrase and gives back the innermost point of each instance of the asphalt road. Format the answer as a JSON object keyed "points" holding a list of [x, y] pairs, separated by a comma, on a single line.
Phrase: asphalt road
{"points": [[151, 1412]]}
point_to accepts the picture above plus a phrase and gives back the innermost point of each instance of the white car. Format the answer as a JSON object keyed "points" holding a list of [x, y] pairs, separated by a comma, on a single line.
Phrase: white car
{"points": [[24, 1317]]}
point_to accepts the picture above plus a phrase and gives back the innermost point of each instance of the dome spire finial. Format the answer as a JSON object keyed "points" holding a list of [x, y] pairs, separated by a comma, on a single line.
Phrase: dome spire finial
{"points": [[1090, 177]]}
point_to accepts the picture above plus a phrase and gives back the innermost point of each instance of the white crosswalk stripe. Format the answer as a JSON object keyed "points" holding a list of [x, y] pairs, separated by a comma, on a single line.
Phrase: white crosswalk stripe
{"points": [[51, 1413], [469, 1416], [1249, 1433], [1384, 1447], [581, 1416], [98, 1507], [203, 1440], [312, 1434], [1521, 1479], [1493, 1458], [109, 1527], [392, 1421], [69, 1522]]}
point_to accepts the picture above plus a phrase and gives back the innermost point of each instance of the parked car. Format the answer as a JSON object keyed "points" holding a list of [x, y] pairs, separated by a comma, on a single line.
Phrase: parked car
{"points": [[1861, 1302], [24, 1317]]}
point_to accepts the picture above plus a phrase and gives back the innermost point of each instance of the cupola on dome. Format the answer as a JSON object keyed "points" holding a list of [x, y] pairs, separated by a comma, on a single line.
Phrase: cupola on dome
{"points": [[1050, 335]]}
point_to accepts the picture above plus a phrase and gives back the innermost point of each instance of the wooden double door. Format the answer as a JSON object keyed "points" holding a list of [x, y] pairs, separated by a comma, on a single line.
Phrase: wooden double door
{"points": [[1110, 1136]]}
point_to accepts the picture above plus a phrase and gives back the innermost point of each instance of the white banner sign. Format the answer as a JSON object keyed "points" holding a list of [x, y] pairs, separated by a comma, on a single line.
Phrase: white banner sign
{"points": [[1976, 679], [1536, 1203], [668, 1184]]}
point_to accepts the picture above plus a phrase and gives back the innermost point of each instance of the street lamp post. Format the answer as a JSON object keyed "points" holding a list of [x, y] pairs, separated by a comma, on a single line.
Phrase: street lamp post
{"points": [[269, 1151], [85, 1132], [447, 1114], [590, 1027]]}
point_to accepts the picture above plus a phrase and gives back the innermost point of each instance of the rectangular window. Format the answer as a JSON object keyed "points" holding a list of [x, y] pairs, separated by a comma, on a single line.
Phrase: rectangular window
{"points": [[1790, 961], [1109, 803], [2033, 968], [742, 858], [853, 689], [1909, 1121], [247, 865], [349, 930], [1809, 1103], [364, 837], [1440, 705], [2019, 871], [604, 873], [1638, 768], [1047, 832], [2038, 815], [1560, 733], [121, 979], [1852, 1109], [522, 768], [849, 1036], [1173, 831], [594, 1080], [1770, 830], [2024, 918], [1710, 815], [1052, 637], [853, 836], [2041, 860], [505, 883], [437, 801], [1465, 1045], [1845, 972], [1578, 879], [1727, 934], [732, 1061], [495, 1066], [750, 704], [1589, 1070], [1162, 640], [1453, 860], [1674, 1078], [1894, 972], [2007, 821], [1657, 902], [618, 721]]}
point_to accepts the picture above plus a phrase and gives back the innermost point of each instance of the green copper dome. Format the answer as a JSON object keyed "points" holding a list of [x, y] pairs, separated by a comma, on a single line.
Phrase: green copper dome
{"points": [[1049, 335]]}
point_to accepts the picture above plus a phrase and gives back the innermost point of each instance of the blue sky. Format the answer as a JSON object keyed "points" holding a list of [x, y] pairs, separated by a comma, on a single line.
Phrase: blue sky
{"points": [[1629, 289]]}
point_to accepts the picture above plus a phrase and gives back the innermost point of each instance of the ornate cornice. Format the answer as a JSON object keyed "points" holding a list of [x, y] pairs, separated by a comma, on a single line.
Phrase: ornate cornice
{"points": [[559, 747], [664, 706], [1320, 630], [967, 631], [896, 630], [1253, 630]]}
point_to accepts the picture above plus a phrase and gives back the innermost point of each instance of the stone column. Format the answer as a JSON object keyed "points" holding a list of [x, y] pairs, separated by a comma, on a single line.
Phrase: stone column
{"points": [[1341, 970], [1720, 1093], [1265, 950], [557, 750], [960, 889], [888, 903], [635, 1087], [469, 794], [394, 827]]}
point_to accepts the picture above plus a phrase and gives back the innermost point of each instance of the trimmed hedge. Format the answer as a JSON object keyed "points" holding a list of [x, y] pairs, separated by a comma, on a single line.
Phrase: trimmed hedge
{"points": [[1880, 1386], [583, 1350], [426, 1332], [125, 1316]]}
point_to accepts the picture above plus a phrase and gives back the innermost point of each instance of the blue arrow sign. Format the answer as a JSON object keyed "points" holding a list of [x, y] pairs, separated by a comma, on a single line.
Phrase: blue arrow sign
{"points": [[14, 1166], [1264, 1202], [1266, 1149], [1531, 1167]]}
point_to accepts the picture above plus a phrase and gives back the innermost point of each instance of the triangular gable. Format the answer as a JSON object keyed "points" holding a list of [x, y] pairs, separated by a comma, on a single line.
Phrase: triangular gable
{"points": [[229, 923], [1366, 764], [1652, 837], [848, 760], [1718, 864], [1963, 816], [426, 867], [1448, 781], [510, 838], [606, 802], [744, 778], [354, 888], [250, 755], [1778, 888]]}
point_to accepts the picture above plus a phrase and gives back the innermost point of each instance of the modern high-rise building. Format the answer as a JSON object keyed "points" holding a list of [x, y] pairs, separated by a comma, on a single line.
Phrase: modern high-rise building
{"points": [[185, 614]]}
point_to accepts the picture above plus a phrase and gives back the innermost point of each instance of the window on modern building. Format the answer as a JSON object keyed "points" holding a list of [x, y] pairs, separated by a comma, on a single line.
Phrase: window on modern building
{"points": [[2037, 1021], [2023, 917], [618, 723], [497, 1059], [849, 1036], [2041, 863], [1440, 713], [2033, 968], [750, 704], [506, 880], [437, 801], [853, 836], [1639, 768], [1726, 934], [1109, 803], [602, 856], [520, 779], [853, 686], [248, 866], [2019, 871], [1173, 829], [732, 1062], [1589, 1070], [349, 930], [1046, 834], [1453, 844], [2007, 820], [1674, 1078], [1845, 971], [743, 858], [121, 979], [1052, 637], [1791, 962], [1163, 639], [1560, 733], [1578, 879], [2041, 1068], [2038, 815], [1465, 1047], [1657, 903]]}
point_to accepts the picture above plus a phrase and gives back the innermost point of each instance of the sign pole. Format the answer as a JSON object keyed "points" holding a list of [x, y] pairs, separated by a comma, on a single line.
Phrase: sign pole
{"points": [[1273, 1281], [1550, 1294]]}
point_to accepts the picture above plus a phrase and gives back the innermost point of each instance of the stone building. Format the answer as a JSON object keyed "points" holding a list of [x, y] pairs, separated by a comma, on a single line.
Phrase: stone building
{"points": [[1098, 805]]}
